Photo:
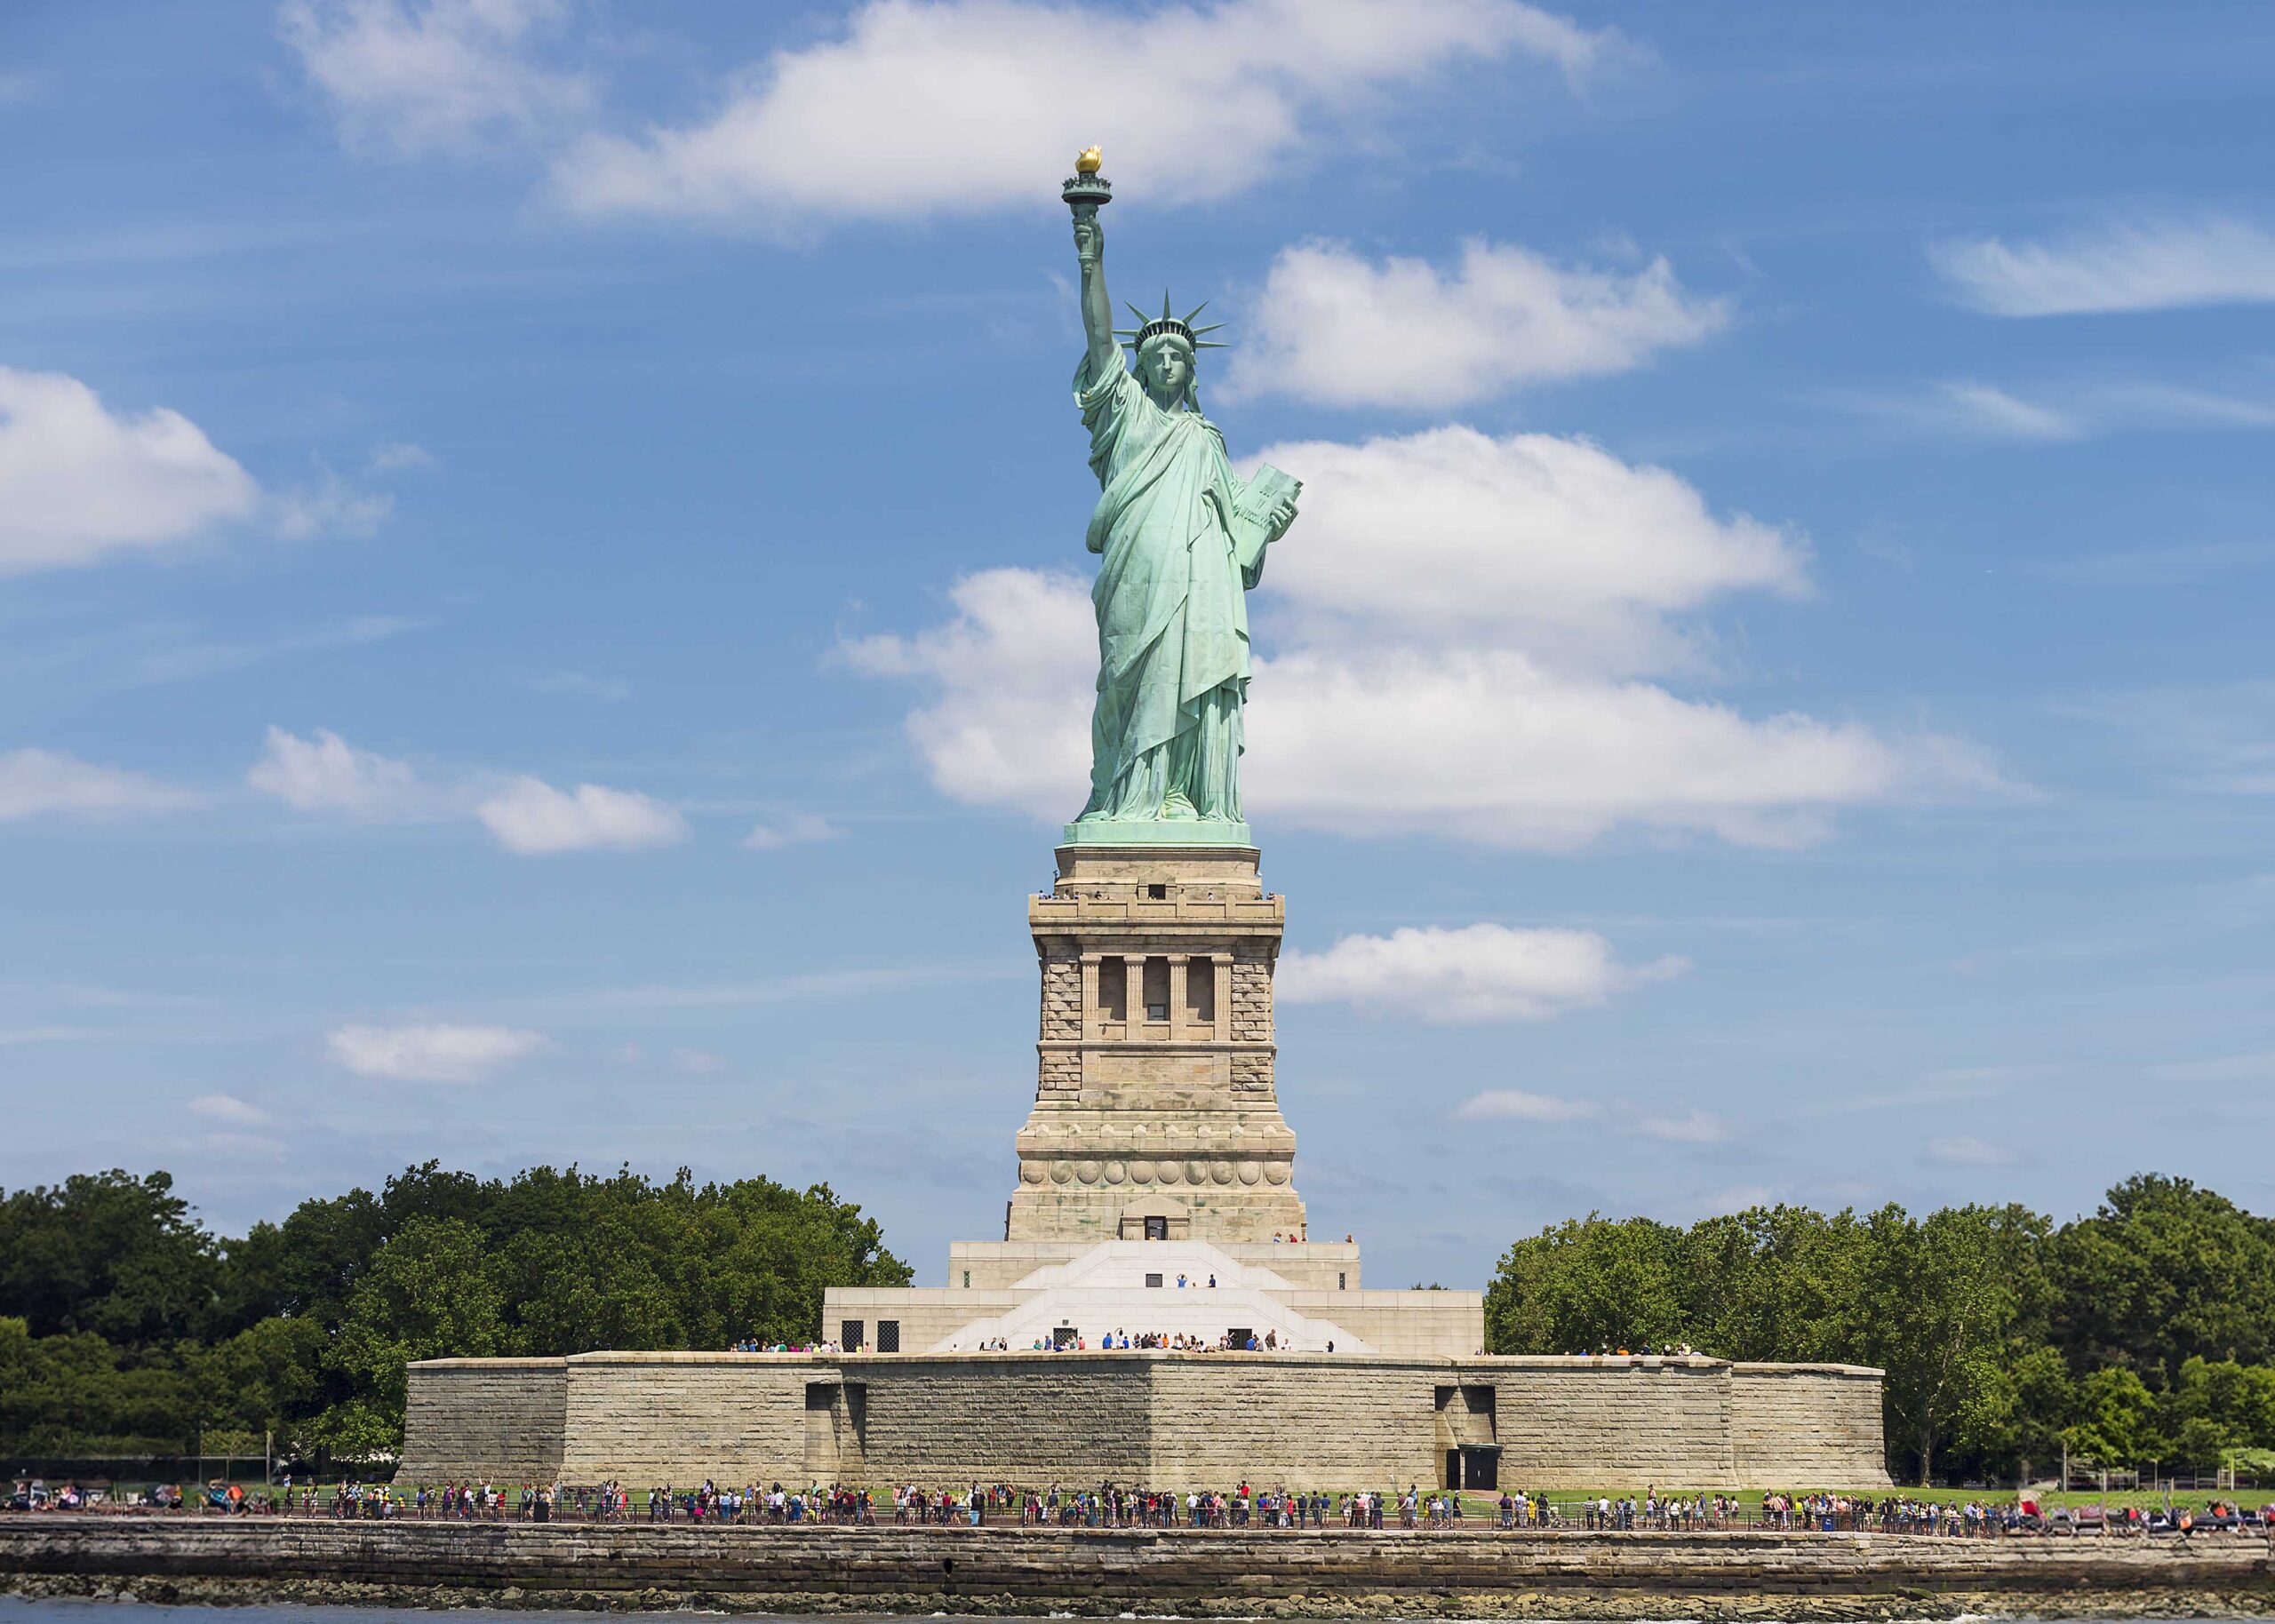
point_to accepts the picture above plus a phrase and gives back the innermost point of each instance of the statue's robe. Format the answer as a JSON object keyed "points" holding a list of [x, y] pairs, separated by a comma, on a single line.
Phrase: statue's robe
{"points": [[1173, 655]]}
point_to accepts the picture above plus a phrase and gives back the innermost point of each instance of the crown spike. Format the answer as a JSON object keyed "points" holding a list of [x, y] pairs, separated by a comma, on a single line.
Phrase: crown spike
{"points": [[1165, 305], [1211, 327], [1195, 311], [1207, 344]]}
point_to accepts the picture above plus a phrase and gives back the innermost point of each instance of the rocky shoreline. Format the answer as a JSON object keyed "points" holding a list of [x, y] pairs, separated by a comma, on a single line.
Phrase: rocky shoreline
{"points": [[1621, 1578], [1562, 1605]]}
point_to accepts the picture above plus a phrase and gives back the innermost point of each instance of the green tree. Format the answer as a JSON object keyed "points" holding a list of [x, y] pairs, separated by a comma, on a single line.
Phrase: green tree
{"points": [[1587, 1285], [108, 1253], [1945, 1299], [2163, 1272]]}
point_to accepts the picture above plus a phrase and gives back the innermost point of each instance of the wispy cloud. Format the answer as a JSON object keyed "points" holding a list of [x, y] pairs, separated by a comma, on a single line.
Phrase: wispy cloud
{"points": [[1965, 1150], [1517, 1105], [431, 1053], [2155, 265], [2257, 1067], [1680, 1127], [798, 829], [413, 76], [49, 783]]}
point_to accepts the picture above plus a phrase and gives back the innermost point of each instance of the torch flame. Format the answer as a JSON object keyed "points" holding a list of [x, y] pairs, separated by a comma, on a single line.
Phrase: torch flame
{"points": [[1087, 161]]}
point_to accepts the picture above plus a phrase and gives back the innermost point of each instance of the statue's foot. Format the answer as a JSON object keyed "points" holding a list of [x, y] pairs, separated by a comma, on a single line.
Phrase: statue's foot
{"points": [[1179, 808]]}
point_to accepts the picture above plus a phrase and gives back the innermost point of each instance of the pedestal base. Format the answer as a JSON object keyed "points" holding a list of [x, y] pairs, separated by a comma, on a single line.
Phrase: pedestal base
{"points": [[1104, 832]]}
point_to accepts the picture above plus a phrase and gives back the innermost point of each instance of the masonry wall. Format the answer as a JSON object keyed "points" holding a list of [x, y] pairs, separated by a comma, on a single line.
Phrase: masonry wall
{"points": [[471, 1419], [678, 1418], [1302, 1421], [1163, 1421], [1066, 1418], [1807, 1425]]}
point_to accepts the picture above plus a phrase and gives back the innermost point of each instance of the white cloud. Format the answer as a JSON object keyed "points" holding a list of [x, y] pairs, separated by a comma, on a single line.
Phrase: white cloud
{"points": [[327, 774], [698, 1062], [1495, 749], [532, 818], [1458, 627], [78, 481], [2161, 266], [1515, 1105], [46, 782], [1012, 671], [1688, 1127], [431, 1053], [798, 829], [1333, 328], [1477, 973], [1960, 1151], [329, 506], [526, 815], [961, 106], [1986, 409], [397, 455], [1488, 748], [1549, 543], [424, 75], [228, 1107]]}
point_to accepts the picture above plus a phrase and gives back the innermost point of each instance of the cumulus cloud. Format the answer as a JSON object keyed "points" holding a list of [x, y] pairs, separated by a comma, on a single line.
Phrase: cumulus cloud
{"points": [[1495, 749], [47, 782], [79, 483], [1516, 1105], [437, 1054], [424, 75], [2161, 265], [531, 817], [959, 106], [1549, 543], [525, 814], [1372, 736], [1334, 328], [1477, 973]]}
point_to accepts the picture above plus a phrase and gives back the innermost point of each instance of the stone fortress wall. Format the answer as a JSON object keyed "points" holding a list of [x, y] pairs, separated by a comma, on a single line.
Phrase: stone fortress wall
{"points": [[1161, 1420]]}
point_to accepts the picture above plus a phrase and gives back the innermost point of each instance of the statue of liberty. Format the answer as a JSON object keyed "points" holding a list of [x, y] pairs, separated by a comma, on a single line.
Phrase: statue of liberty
{"points": [[1181, 538]]}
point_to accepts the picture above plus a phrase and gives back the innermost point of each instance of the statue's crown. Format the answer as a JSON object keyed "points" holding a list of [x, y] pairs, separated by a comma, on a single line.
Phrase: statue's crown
{"points": [[1175, 326]]}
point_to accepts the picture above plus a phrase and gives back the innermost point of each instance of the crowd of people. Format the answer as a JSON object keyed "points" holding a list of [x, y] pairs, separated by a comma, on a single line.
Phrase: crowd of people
{"points": [[1244, 1507]]}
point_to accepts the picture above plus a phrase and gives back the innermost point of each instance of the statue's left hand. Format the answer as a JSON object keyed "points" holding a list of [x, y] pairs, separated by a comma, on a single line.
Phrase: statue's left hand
{"points": [[1283, 514]]}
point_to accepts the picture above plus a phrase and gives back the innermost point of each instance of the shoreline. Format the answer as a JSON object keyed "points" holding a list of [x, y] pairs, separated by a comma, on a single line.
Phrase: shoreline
{"points": [[1618, 1578]]}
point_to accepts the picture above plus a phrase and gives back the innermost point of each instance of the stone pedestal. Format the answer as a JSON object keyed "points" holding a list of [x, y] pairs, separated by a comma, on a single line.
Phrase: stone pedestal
{"points": [[1155, 1110]]}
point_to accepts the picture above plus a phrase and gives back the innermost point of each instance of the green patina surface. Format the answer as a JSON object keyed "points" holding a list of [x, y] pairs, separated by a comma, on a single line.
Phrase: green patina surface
{"points": [[1180, 539]]}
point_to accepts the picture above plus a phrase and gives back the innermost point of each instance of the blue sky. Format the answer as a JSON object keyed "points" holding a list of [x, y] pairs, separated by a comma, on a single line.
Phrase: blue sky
{"points": [[541, 616]]}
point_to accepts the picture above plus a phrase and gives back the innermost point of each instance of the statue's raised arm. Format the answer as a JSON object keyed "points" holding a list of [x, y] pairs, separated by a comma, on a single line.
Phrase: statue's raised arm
{"points": [[1097, 309]]}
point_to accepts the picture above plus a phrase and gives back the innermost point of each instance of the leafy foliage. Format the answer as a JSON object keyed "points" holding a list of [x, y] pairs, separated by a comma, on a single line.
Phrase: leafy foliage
{"points": [[2142, 1333], [125, 1328]]}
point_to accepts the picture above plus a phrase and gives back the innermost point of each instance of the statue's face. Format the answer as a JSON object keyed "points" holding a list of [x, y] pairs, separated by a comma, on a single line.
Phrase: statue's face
{"points": [[1168, 369]]}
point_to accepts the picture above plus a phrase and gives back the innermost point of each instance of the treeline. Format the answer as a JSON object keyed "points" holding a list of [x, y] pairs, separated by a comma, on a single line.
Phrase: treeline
{"points": [[127, 1328], [2142, 1333]]}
